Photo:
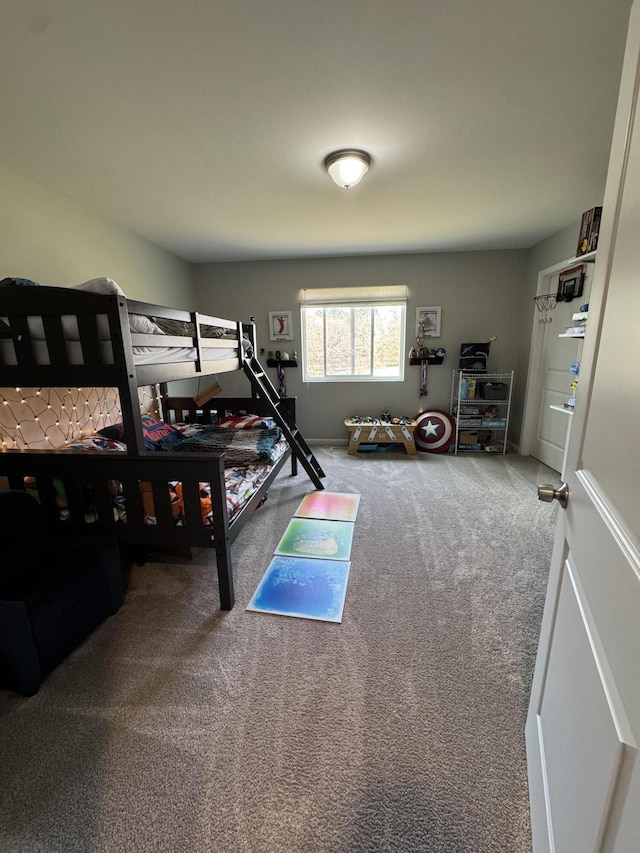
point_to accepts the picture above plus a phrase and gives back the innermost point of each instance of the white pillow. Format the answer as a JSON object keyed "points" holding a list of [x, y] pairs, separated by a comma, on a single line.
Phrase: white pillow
{"points": [[142, 325], [138, 323], [101, 285]]}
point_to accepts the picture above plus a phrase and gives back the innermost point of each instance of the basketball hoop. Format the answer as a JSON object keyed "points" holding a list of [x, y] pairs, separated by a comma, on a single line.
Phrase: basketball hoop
{"points": [[545, 303]]}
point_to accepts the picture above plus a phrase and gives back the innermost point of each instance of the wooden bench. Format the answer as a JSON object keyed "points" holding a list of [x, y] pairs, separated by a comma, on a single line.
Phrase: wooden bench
{"points": [[381, 432]]}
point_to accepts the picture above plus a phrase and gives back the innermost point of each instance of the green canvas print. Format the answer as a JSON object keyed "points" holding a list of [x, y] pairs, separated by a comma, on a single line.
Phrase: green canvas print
{"points": [[319, 538]]}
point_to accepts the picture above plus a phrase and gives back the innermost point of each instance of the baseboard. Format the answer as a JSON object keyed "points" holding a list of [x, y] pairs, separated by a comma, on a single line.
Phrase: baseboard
{"points": [[335, 442]]}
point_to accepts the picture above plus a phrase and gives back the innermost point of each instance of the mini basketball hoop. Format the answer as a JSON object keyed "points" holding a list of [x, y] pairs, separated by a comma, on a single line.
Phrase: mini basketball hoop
{"points": [[545, 303]]}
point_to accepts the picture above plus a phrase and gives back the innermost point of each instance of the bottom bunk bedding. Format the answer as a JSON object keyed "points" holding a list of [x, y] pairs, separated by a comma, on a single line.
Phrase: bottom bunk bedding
{"points": [[184, 493], [250, 454]]}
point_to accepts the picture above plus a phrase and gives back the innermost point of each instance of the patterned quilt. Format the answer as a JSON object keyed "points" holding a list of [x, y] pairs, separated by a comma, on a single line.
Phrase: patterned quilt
{"points": [[242, 479], [240, 446]]}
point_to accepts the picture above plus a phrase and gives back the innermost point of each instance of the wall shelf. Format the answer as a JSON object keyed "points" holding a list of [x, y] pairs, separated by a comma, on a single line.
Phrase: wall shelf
{"points": [[433, 359], [274, 362]]}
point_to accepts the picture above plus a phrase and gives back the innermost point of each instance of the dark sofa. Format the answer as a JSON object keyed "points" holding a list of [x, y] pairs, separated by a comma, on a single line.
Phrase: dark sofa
{"points": [[54, 591]]}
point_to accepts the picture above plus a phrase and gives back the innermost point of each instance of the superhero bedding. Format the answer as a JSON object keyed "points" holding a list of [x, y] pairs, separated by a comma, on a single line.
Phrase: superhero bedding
{"points": [[251, 446]]}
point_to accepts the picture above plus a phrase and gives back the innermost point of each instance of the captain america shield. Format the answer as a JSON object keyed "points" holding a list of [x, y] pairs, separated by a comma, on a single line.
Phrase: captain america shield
{"points": [[435, 431]]}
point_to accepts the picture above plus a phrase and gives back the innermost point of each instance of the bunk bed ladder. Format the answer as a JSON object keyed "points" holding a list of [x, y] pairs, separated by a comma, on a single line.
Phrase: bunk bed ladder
{"points": [[263, 387]]}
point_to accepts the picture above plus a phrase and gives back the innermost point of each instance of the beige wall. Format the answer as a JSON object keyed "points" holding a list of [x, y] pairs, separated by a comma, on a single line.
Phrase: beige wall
{"points": [[50, 239], [481, 295]]}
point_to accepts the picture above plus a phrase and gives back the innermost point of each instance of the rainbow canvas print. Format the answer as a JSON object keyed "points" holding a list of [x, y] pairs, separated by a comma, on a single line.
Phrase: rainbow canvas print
{"points": [[301, 587], [314, 537], [336, 506]]}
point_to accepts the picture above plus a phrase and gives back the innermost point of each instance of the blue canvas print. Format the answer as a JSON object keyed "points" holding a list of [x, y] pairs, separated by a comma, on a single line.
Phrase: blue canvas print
{"points": [[302, 587]]}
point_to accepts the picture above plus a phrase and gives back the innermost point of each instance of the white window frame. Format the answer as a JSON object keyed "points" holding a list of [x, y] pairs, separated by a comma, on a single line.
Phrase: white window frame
{"points": [[342, 300]]}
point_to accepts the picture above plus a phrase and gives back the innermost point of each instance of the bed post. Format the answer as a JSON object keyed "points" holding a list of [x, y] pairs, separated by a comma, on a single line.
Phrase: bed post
{"points": [[127, 384], [221, 538]]}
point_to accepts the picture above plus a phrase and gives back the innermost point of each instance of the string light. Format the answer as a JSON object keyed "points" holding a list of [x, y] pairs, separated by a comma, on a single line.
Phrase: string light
{"points": [[49, 411]]}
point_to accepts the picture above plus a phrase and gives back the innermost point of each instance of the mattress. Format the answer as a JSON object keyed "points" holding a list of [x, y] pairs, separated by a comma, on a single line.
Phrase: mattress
{"points": [[141, 355]]}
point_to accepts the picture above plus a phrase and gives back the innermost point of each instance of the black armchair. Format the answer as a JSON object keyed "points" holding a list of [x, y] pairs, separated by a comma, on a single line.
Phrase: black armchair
{"points": [[54, 591]]}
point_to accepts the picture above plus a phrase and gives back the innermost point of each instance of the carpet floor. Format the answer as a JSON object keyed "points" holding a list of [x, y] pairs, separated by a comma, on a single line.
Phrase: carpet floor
{"points": [[177, 727]]}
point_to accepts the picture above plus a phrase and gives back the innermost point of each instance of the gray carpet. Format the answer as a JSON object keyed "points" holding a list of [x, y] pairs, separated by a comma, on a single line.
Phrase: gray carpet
{"points": [[176, 727]]}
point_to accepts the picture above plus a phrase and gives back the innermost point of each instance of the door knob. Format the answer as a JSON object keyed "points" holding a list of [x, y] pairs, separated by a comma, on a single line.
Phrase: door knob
{"points": [[547, 493]]}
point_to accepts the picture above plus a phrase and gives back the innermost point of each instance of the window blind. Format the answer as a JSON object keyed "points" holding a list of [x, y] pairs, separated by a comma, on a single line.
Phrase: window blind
{"points": [[366, 294]]}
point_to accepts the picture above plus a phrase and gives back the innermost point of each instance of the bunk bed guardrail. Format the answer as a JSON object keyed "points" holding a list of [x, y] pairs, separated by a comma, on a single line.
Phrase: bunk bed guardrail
{"points": [[86, 481]]}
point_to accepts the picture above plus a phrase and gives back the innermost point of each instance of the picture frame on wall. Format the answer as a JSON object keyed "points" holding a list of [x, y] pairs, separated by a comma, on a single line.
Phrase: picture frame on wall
{"points": [[428, 322], [280, 326]]}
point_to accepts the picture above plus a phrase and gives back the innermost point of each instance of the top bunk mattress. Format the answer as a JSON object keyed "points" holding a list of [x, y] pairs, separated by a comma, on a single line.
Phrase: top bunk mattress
{"points": [[142, 355]]}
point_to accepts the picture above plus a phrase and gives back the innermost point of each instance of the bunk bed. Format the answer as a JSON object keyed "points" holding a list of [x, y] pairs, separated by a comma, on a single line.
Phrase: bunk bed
{"points": [[92, 337]]}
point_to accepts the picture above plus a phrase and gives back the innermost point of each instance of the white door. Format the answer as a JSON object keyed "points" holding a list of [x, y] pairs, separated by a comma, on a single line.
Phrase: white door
{"points": [[550, 433], [583, 727]]}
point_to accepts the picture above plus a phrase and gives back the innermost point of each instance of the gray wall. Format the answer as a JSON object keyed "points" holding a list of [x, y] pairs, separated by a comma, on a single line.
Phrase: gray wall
{"points": [[481, 294], [50, 239], [47, 237], [559, 247]]}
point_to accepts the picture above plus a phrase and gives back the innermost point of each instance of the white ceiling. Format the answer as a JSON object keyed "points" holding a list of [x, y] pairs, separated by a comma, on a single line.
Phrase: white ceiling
{"points": [[203, 124]]}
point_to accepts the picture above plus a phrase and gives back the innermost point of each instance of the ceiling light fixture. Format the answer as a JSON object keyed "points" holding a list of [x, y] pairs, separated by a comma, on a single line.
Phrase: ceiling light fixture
{"points": [[348, 166]]}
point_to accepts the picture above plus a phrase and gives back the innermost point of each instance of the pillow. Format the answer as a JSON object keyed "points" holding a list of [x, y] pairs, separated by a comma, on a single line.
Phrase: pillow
{"points": [[141, 325], [101, 285], [138, 323], [153, 431], [115, 432], [18, 282], [246, 422]]}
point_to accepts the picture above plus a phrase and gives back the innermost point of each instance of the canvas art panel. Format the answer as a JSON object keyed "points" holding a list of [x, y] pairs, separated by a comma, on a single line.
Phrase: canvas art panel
{"points": [[336, 506], [313, 537], [303, 587]]}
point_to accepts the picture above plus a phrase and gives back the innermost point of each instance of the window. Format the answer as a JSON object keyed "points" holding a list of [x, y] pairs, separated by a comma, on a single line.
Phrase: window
{"points": [[353, 334]]}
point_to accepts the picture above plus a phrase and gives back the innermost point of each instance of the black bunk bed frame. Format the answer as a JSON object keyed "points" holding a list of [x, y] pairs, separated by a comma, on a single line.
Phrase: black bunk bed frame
{"points": [[99, 469]]}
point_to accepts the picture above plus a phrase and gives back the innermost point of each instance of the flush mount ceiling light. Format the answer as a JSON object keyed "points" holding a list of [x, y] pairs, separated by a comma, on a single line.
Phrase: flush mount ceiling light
{"points": [[347, 167]]}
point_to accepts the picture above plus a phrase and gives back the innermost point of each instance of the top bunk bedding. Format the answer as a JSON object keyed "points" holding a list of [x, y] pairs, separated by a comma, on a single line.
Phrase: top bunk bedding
{"points": [[59, 334]]}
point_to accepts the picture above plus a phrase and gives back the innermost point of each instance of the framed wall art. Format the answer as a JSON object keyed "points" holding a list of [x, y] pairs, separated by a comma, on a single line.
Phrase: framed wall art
{"points": [[280, 326], [428, 322]]}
